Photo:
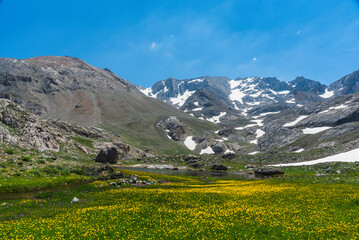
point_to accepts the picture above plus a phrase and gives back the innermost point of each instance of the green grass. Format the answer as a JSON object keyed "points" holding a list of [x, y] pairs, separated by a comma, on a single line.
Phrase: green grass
{"points": [[84, 141], [187, 208]]}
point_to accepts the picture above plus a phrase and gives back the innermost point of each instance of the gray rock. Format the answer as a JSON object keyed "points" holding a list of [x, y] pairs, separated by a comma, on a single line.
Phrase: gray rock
{"points": [[268, 171], [225, 132], [229, 155], [250, 166], [219, 167], [191, 157], [107, 155], [195, 164], [218, 147], [174, 127]]}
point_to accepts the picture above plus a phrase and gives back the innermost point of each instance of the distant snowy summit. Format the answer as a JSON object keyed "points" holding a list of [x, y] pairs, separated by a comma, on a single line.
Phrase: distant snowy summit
{"points": [[221, 99]]}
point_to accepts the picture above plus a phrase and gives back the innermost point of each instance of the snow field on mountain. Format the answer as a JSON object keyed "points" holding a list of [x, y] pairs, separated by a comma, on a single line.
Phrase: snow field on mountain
{"points": [[181, 99], [350, 156], [293, 123], [315, 130], [327, 94]]}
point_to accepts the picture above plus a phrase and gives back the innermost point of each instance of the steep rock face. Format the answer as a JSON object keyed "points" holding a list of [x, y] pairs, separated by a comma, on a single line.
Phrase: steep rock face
{"points": [[329, 119], [27, 130], [348, 84], [302, 84], [276, 136]]}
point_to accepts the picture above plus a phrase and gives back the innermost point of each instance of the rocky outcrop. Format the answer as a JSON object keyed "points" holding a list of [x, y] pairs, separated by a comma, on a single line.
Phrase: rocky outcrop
{"points": [[174, 127], [190, 157], [218, 147], [225, 132], [107, 155], [276, 136], [27, 130], [348, 84]]}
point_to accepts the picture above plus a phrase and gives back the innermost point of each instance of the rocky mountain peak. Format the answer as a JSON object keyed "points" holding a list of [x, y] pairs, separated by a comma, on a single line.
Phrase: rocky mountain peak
{"points": [[302, 84], [348, 84]]}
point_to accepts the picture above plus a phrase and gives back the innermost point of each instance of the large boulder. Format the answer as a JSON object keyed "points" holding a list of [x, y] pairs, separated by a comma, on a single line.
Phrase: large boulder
{"points": [[217, 166], [107, 155], [218, 147], [225, 132], [268, 171], [229, 155]]}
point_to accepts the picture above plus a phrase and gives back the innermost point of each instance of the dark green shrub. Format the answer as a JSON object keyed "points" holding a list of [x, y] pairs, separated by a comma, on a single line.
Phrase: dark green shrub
{"points": [[36, 173], [78, 171], [26, 158], [10, 151]]}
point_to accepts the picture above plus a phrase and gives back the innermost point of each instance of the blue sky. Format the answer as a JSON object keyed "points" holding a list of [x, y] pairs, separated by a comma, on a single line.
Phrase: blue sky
{"points": [[145, 41]]}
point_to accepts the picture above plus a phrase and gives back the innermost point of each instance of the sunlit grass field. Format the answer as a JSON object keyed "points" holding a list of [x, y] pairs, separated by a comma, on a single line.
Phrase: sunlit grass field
{"points": [[188, 208]]}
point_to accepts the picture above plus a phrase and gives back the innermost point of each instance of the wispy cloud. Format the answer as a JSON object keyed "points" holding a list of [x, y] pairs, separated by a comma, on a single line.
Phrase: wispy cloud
{"points": [[153, 45]]}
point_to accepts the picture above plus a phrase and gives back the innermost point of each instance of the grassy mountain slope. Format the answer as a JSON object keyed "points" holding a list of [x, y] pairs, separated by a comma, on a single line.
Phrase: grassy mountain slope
{"points": [[71, 90]]}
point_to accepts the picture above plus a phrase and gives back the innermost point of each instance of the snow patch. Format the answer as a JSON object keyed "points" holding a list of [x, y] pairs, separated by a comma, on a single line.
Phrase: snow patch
{"points": [[315, 130], [190, 144], [253, 153], [268, 113], [327, 94], [260, 133], [195, 80], [247, 126], [290, 101], [253, 103], [351, 156], [258, 122], [291, 124], [237, 95], [342, 106], [207, 150], [181, 99], [300, 150], [228, 151], [284, 92], [147, 91], [215, 119]]}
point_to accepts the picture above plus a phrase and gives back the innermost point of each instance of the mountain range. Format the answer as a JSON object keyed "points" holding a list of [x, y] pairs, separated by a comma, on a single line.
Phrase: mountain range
{"points": [[230, 99], [203, 115]]}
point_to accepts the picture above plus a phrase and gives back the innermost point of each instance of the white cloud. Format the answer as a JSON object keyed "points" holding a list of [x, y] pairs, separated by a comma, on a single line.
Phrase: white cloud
{"points": [[153, 45], [254, 59]]}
